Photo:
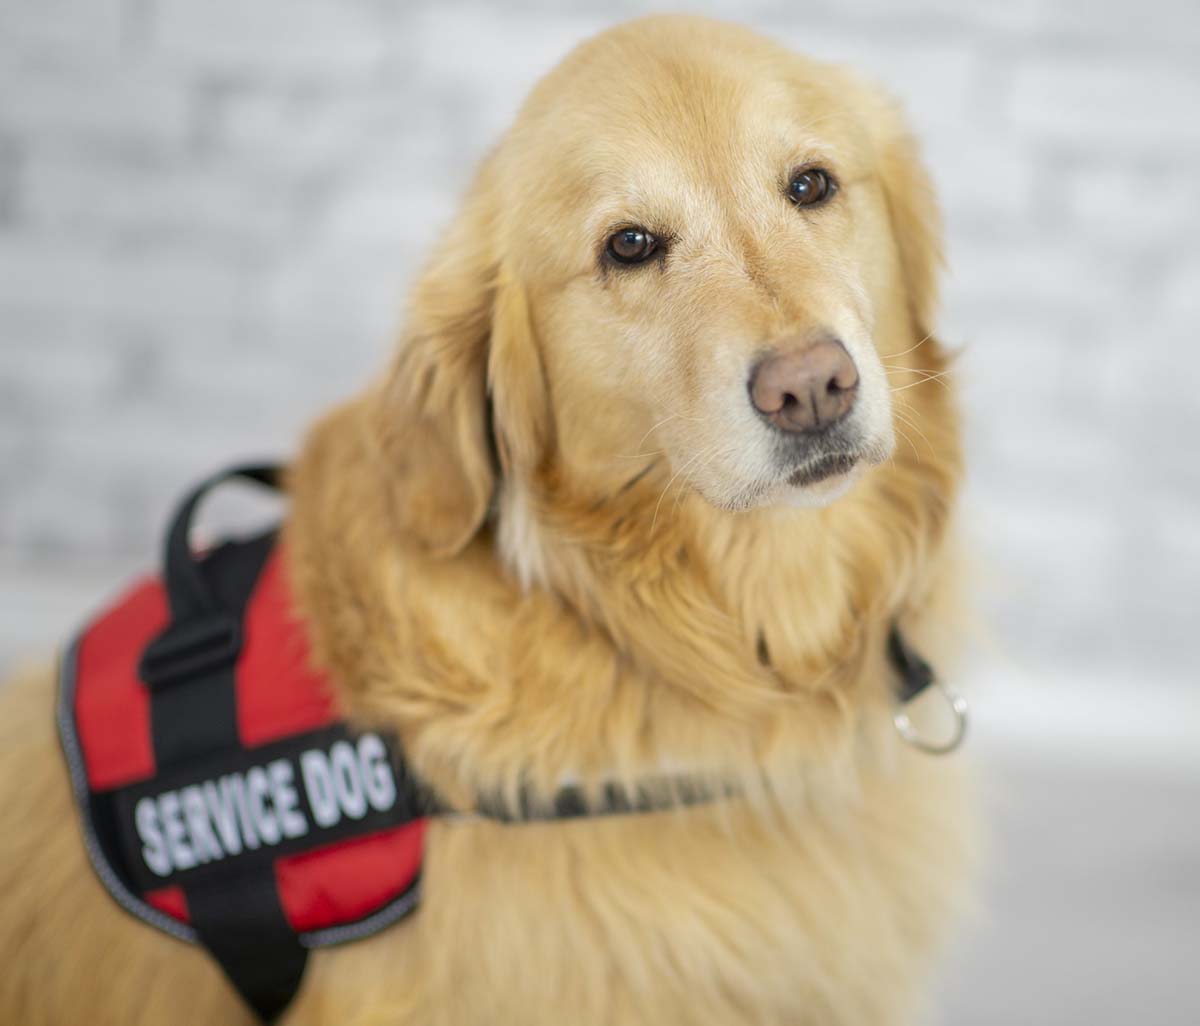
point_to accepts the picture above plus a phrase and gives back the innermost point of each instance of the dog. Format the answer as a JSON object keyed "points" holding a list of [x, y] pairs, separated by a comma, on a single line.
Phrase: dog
{"points": [[667, 449]]}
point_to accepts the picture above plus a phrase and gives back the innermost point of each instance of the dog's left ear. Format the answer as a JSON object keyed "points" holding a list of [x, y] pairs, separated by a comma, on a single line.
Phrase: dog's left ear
{"points": [[912, 208], [916, 226]]}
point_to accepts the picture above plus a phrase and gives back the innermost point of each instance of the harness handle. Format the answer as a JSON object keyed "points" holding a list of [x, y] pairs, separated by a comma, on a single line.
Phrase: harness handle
{"points": [[203, 634]]}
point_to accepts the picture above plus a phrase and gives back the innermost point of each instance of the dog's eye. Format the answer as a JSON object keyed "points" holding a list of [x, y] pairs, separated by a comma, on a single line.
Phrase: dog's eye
{"points": [[810, 187], [631, 245]]}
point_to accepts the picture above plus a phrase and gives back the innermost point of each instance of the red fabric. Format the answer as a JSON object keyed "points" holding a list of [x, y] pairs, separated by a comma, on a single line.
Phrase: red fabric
{"points": [[170, 900], [112, 708], [346, 881], [278, 691], [278, 694]]}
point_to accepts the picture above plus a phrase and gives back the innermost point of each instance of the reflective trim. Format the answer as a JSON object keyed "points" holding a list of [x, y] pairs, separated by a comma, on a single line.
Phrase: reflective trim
{"points": [[121, 894], [370, 924]]}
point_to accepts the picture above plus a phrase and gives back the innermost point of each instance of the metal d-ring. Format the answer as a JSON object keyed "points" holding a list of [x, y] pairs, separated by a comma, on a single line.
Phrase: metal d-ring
{"points": [[958, 705]]}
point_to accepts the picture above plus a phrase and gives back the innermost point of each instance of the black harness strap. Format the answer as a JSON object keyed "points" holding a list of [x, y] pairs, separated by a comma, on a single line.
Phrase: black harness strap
{"points": [[242, 925], [189, 671]]}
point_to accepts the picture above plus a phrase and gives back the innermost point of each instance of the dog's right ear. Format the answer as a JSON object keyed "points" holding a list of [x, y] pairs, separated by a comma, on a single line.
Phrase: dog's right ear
{"points": [[908, 194], [428, 419]]}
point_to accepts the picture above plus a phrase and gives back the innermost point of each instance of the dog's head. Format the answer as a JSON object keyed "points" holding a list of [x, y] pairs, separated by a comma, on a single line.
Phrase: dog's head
{"points": [[693, 247]]}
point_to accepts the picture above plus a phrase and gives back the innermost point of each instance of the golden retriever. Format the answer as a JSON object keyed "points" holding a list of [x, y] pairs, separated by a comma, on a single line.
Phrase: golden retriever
{"points": [[629, 501]]}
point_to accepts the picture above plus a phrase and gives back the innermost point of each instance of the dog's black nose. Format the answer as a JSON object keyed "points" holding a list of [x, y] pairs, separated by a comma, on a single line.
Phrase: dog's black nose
{"points": [[806, 388]]}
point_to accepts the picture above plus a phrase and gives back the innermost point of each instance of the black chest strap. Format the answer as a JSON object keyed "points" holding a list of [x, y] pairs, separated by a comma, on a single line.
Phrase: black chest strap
{"points": [[189, 673]]}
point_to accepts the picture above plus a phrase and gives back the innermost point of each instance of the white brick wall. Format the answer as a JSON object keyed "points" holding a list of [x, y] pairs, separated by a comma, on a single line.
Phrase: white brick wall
{"points": [[209, 212]]}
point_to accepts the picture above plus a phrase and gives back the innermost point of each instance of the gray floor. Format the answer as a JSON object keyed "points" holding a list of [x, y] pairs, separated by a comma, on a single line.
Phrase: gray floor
{"points": [[1091, 912]]}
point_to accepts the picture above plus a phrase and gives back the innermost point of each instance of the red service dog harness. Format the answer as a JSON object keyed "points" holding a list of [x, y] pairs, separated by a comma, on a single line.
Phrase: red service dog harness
{"points": [[225, 801]]}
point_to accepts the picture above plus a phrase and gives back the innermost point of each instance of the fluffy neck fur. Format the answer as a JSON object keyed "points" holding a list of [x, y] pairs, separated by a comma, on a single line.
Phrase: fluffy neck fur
{"points": [[586, 636]]}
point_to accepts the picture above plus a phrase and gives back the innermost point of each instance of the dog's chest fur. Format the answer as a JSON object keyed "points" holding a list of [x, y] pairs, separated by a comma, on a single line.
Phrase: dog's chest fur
{"points": [[704, 916]]}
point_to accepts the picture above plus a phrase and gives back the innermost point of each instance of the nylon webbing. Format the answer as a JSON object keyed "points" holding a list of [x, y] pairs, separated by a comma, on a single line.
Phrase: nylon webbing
{"points": [[189, 670]]}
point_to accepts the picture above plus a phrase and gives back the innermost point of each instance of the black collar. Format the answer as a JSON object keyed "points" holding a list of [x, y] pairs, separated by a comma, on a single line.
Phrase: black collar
{"points": [[913, 677]]}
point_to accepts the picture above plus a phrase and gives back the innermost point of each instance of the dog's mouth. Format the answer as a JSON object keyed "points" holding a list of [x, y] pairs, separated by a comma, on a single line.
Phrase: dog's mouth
{"points": [[822, 468]]}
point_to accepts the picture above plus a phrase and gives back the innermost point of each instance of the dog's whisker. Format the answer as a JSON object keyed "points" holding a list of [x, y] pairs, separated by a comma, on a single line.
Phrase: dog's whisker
{"points": [[900, 431], [912, 424], [658, 506], [649, 432], [707, 455], [899, 368], [666, 420], [890, 356], [913, 384], [712, 453], [655, 427], [922, 376]]}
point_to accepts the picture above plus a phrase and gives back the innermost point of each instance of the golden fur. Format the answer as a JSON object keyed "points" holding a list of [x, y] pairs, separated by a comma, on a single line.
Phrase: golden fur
{"points": [[607, 595]]}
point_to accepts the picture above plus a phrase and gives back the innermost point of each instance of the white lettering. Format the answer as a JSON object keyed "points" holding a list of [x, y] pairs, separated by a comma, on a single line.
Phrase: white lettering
{"points": [[154, 851], [318, 786], [215, 819], [346, 781], [258, 787], [376, 772], [204, 841], [236, 788], [285, 799], [220, 809], [169, 812]]}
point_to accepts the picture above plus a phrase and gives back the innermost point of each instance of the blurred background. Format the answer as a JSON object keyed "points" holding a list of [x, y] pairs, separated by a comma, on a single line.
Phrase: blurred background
{"points": [[210, 211]]}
